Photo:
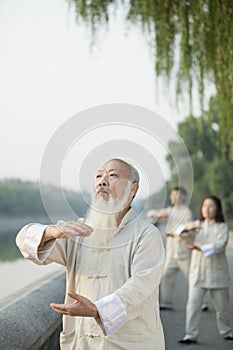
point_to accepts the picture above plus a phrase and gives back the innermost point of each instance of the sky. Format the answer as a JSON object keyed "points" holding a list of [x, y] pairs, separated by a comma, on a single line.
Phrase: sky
{"points": [[49, 73]]}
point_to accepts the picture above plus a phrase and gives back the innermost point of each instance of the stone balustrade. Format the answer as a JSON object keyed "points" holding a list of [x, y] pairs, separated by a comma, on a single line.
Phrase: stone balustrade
{"points": [[26, 320]]}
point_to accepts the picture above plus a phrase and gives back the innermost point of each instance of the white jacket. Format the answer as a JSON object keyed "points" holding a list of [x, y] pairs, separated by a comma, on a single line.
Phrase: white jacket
{"points": [[125, 264], [209, 267], [176, 245]]}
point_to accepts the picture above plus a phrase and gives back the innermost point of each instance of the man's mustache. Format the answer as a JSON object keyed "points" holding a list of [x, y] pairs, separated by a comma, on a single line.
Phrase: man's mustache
{"points": [[103, 189]]}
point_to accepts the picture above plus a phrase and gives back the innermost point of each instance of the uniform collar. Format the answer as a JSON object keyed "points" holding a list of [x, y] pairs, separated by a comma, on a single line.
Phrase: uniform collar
{"points": [[130, 215], [210, 222]]}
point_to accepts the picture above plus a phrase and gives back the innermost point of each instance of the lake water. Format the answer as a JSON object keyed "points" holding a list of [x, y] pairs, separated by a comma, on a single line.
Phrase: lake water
{"points": [[15, 271]]}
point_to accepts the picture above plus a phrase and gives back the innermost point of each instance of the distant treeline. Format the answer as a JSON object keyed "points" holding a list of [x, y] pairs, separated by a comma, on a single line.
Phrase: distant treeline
{"points": [[212, 168], [19, 198]]}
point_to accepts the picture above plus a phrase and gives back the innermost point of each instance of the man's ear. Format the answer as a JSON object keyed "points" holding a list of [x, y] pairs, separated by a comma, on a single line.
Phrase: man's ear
{"points": [[134, 188]]}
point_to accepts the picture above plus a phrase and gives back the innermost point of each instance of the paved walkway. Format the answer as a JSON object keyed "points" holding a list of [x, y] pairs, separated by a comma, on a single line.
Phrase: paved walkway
{"points": [[174, 321]]}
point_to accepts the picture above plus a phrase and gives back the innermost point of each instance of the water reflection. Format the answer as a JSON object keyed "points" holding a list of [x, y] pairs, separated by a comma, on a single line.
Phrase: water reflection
{"points": [[22, 273], [8, 248], [17, 272]]}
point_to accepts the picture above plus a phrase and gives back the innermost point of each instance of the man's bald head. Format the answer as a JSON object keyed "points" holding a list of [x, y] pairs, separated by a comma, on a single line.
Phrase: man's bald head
{"points": [[133, 173]]}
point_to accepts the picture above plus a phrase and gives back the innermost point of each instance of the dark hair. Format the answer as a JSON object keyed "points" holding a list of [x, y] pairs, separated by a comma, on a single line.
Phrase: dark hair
{"points": [[219, 217], [182, 190]]}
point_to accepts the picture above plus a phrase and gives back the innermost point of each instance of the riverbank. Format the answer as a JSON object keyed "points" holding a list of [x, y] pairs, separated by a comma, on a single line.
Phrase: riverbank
{"points": [[15, 223]]}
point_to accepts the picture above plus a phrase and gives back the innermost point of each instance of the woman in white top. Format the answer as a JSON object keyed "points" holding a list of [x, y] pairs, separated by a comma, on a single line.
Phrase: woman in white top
{"points": [[208, 270]]}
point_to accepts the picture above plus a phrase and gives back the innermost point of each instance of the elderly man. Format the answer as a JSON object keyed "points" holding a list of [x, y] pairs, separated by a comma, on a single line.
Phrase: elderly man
{"points": [[114, 262]]}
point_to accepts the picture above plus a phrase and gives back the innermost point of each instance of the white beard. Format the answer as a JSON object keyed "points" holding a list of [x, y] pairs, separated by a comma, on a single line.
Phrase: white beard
{"points": [[104, 214]]}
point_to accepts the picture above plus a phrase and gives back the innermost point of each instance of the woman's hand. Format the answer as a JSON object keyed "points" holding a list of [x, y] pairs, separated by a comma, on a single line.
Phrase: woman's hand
{"points": [[192, 246]]}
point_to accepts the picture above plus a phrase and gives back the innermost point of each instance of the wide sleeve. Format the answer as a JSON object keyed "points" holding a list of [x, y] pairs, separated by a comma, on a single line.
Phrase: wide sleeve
{"points": [[157, 213], [28, 241], [181, 229]]}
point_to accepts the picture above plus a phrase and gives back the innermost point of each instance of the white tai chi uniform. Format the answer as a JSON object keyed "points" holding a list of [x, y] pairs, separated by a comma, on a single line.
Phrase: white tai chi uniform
{"points": [[177, 254], [120, 271], [209, 271]]}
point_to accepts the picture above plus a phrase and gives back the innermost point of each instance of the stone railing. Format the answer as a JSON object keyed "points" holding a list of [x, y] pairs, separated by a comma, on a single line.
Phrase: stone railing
{"points": [[26, 319]]}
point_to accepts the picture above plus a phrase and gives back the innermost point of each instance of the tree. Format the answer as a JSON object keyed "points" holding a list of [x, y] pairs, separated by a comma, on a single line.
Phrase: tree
{"points": [[18, 198], [213, 171], [191, 39]]}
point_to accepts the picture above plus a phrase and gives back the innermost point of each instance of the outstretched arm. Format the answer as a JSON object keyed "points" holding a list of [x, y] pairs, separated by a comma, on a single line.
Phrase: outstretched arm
{"points": [[64, 229], [35, 241], [156, 214]]}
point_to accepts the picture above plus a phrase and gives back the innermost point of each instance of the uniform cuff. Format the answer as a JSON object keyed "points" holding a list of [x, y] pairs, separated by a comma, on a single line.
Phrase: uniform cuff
{"points": [[178, 231], [33, 239], [150, 213], [207, 250], [112, 313]]}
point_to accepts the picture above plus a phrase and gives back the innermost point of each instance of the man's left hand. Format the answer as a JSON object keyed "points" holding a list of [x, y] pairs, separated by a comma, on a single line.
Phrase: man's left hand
{"points": [[80, 307]]}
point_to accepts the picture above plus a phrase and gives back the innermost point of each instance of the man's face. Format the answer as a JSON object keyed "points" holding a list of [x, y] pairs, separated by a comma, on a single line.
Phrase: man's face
{"points": [[111, 180], [113, 193], [177, 197]]}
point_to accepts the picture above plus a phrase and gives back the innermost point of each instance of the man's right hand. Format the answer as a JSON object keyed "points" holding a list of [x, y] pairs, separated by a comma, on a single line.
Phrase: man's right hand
{"points": [[66, 229], [167, 234], [192, 228]]}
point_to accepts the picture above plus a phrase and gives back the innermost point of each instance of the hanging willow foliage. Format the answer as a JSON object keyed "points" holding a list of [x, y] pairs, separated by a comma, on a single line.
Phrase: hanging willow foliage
{"points": [[194, 37]]}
